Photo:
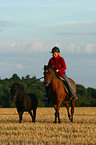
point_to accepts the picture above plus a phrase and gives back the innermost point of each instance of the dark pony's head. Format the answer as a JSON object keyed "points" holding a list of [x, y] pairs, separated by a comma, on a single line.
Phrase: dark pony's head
{"points": [[16, 89], [49, 75]]}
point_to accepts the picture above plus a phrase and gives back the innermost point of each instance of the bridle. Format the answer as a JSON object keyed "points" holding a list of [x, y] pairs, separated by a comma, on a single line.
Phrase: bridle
{"points": [[50, 73]]}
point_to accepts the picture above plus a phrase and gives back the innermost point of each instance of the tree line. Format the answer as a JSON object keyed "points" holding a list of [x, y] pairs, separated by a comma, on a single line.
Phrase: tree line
{"points": [[86, 96]]}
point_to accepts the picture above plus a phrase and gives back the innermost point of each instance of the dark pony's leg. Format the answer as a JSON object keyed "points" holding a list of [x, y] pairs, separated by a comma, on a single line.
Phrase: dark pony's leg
{"points": [[34, 114], [30, 114], [72, 109], [67, 106], [20, 116]]}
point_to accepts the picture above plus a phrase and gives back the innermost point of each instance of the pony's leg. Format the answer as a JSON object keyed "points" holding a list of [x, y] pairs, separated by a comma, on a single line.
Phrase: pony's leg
{"points": [[57, 107], [72, 109], [34, 114], [56, 115], [30, 114], [20, 116], [59, 121], [67, 106]]}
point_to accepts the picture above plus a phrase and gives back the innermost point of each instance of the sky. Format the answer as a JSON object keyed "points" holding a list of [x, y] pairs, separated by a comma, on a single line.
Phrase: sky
{"points": [[30, 29]]}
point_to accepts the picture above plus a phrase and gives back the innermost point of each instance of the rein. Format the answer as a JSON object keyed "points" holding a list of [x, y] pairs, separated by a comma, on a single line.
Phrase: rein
{"points": [[33, 82], [53, 76]]}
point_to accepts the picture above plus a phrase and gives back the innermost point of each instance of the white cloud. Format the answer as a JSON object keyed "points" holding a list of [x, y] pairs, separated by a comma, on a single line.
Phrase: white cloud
{"points": [[9, 47], [29, 47], [71, 48], [13, 44], [23, 47], [20, 66], [65, 23], [90, 48], [78, 49], [38, 46]]}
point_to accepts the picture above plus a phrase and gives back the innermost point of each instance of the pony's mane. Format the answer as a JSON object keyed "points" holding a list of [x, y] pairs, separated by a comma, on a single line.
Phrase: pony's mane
{"points": [[48, 67]]}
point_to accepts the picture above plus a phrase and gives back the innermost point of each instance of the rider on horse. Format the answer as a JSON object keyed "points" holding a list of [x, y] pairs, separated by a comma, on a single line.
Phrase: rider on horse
{"points": [[58, 63]]}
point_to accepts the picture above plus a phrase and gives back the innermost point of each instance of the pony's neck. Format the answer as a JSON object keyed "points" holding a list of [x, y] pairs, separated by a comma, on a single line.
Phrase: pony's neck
{"points": [[20, 95], [55, 82]]}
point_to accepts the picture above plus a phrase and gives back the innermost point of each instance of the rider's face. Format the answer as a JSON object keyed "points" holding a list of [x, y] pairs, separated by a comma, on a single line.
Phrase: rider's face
{"points": [[55, 54]]}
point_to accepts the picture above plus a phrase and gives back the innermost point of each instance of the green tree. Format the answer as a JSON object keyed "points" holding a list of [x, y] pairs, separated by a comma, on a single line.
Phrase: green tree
{"points": [[86, 96], [15, 78]]}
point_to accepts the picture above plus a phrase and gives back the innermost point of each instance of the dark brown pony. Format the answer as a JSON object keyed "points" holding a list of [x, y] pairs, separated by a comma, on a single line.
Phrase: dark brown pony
{"points": [[24, 102], [58, 93]]}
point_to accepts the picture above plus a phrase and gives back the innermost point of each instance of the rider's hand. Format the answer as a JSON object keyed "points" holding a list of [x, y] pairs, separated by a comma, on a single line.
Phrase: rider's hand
{"points": [[57, 70]]}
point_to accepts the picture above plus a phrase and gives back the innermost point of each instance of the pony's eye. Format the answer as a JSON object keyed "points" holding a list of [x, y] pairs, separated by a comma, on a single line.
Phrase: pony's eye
{"points": [[46, 71]]}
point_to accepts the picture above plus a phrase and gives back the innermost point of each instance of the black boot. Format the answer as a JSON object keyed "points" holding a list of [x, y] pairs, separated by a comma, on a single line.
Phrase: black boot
{"points": [[46, 99]]}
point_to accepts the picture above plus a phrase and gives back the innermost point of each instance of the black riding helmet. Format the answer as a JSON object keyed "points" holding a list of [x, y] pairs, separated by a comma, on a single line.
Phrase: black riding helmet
{"points": [[55, 49]]}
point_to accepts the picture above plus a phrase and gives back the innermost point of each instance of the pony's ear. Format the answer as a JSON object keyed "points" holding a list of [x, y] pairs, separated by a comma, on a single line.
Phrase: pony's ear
{"points": [[45, 67]]}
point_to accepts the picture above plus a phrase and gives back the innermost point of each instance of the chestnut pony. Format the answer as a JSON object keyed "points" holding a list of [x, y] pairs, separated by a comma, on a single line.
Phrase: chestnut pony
{"points": [[58, 93]]}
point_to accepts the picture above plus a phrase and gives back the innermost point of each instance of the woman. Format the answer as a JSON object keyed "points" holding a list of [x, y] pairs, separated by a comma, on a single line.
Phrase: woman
{"points": [[58, 63]]}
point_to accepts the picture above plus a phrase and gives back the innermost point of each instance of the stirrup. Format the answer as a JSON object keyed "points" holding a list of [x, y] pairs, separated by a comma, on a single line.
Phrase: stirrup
{"points": [[45, 100], [75, 98]]}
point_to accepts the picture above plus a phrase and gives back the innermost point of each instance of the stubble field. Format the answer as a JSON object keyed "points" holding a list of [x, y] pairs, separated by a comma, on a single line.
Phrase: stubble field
{"points": [[44, 131]]}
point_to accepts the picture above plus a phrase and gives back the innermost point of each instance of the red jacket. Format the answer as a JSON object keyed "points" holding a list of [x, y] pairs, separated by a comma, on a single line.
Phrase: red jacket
{"points": [[58, 63]]}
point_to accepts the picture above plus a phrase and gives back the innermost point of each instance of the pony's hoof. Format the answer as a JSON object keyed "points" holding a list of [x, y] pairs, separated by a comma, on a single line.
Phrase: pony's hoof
{"points": [[59, 122], [55, 121], [33, 121], [71, 120], [19, 121]]}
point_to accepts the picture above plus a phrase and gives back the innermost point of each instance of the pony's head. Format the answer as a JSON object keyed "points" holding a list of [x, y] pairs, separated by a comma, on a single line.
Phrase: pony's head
{"points": [[15, 90], [49, 75]]}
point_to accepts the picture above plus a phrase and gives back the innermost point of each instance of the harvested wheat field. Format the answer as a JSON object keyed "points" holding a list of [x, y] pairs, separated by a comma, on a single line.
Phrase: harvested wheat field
{"points": [[44, 131]]}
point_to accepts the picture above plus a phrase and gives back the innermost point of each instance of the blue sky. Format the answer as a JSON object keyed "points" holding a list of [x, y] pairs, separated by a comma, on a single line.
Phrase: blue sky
{"points": [[29, 29]]}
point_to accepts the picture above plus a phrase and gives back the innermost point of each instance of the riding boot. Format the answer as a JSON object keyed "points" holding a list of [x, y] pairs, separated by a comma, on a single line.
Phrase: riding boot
{"points": [[71, 91], [46, 99]]}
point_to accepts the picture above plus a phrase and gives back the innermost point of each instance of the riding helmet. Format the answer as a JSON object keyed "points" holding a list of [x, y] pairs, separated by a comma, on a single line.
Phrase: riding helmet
{"points": [[55, 49]]}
